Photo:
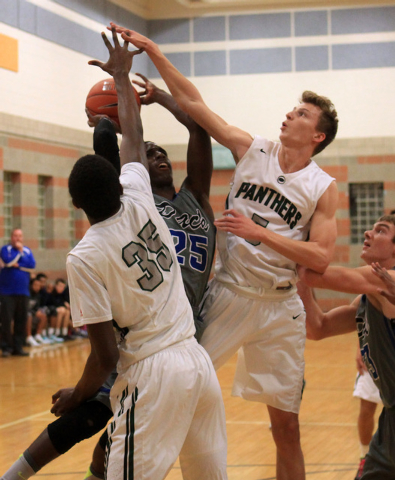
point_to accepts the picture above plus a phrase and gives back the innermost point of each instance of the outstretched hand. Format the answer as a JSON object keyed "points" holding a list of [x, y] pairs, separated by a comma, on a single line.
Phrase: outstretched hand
{"points": [[135, 38], [389, 282], [149, 94], [121, 59]]}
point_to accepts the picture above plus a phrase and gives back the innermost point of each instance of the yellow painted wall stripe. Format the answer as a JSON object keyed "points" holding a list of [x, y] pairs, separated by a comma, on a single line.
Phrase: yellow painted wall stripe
{"points": [[8, 53]]}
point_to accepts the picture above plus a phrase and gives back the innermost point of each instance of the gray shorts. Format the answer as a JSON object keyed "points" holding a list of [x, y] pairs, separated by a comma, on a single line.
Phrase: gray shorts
{"points": [[380, 460]]}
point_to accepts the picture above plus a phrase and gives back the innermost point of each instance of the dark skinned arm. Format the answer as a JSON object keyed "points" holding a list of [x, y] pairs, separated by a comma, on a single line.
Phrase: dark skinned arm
{"points": [[118, 65], [101, 362], [199, 154]]}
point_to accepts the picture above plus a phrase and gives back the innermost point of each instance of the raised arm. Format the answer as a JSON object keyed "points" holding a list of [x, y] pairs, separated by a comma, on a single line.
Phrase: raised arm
{"points": [[199, 154], [188, 97], [119, 65], [105, 141], [315, 254], [321, 325]]}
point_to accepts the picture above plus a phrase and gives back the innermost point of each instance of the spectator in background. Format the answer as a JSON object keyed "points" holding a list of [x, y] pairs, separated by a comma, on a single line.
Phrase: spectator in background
{"points": [[14, 293], [61, 301], [50, 309], [37, 317]]}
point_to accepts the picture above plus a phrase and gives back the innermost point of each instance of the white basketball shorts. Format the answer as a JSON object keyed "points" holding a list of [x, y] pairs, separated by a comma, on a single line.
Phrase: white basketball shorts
{"points": [[269, 336], [365, 388], [166, 405]]}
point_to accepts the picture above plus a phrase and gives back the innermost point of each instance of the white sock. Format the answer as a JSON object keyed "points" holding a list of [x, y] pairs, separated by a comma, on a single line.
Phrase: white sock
{"points": [[21, 470], [65, 331], [51, 331], [57, 332]]}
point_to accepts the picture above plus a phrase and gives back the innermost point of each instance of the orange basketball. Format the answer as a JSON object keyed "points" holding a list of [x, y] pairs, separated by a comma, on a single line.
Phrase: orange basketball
{"points": [[102, 99]]}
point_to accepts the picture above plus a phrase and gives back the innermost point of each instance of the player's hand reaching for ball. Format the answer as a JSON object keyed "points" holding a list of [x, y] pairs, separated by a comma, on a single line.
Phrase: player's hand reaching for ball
{"points": [[135, 38], [120, 60], [93, 120], [150, 93]]}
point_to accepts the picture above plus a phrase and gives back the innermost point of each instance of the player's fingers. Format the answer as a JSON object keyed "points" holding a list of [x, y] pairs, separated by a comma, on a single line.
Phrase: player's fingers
{"points": [[96, 63], [55, 396], [137, 52], [143, 77], [107, 42], [115, 37], [141, 85], [118, 28], [232, 212], [126, 35], [384, 293]]}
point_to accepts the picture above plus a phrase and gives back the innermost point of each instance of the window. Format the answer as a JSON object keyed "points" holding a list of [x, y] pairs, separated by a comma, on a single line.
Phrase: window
{"points": [[41, 204], [366, 206], [8, 205]]}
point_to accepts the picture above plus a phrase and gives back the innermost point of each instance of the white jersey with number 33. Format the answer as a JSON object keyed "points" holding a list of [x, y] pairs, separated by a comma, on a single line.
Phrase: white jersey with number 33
{"points": [[281, 202], [125, 268]]}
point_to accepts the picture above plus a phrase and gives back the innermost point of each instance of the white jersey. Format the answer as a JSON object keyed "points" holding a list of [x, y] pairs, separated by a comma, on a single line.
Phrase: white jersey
{"points": [[125, 268], [281, 202]]}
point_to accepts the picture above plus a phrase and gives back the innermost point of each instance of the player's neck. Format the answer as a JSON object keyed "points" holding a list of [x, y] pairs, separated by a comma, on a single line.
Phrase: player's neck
{"points": [[166, 192], [294, 159]]}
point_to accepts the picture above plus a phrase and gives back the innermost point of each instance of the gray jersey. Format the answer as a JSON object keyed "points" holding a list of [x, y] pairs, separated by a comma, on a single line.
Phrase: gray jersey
{"points": [[376, 335], [194, 238]]}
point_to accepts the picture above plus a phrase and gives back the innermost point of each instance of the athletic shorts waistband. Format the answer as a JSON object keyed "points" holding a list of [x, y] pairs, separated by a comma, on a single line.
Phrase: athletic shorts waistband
{"points": [[259, 293]]}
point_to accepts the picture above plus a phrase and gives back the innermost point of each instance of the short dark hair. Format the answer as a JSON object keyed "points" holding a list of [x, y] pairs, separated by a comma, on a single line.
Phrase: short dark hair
{"points": [[389, 219], [60, 280], [328, 121], [40, 275], [94, 186]]}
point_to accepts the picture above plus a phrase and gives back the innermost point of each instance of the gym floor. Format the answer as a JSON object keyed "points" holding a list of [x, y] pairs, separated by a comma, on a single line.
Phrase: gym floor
{"points": [[328, 415]]}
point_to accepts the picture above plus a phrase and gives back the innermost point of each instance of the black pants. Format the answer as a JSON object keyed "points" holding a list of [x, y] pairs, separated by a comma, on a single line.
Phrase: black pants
{"points": [[13, 307]]}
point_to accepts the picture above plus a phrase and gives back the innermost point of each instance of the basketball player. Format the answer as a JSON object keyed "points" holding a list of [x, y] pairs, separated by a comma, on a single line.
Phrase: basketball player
{"points": [[372, 315], [166, 399], [278, 198], [187, 213], [189, 216]]}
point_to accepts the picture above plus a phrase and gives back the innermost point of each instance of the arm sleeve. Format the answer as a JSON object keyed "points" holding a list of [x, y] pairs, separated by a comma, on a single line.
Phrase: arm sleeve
{"points": [[105, 143], [27, 260], [89, 298]]}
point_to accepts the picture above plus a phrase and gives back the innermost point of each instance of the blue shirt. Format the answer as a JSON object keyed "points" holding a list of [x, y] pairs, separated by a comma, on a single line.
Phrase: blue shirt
{"points": [[15, 280]]}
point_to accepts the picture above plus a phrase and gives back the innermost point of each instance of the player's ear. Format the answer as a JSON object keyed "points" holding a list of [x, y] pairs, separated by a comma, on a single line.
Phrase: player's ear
{"points": [[319, 137]]}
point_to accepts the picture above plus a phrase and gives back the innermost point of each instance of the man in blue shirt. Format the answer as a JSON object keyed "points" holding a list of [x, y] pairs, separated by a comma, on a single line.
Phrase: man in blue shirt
{"points": [[14, 293]]}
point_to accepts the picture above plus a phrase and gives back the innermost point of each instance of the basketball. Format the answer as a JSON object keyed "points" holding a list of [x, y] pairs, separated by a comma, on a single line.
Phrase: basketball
{"points": [[102, 99]]}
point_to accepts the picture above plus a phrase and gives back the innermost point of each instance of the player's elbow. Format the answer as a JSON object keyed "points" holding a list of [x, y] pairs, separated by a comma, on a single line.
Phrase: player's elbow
{"points": [[108, 360], [320, 263], [314, 334]]}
